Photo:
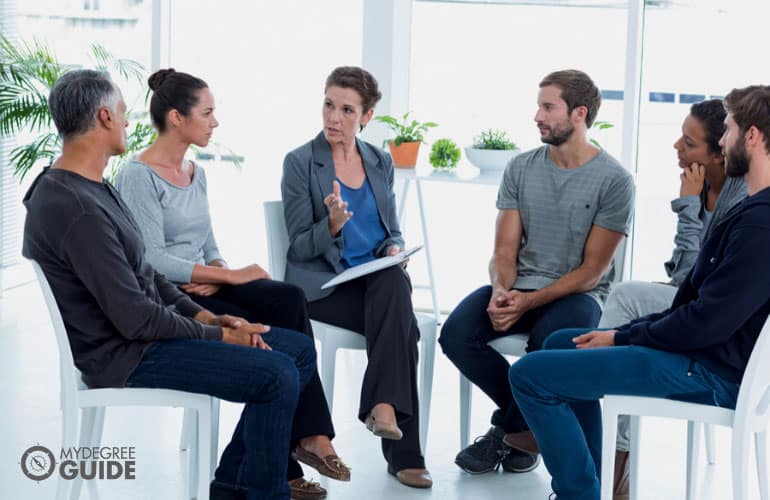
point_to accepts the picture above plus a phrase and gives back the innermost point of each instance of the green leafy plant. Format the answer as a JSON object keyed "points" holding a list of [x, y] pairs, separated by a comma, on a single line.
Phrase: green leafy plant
{"points": [[444, 154], [600, 125], [405, 130], [28, 72], [493, 139]]}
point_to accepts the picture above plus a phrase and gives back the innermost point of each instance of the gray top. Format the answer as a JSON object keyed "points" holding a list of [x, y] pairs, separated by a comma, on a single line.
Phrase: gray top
{"points": [[113, 303], [694, 224], [558, 207], [174, 220], [314, 256]]}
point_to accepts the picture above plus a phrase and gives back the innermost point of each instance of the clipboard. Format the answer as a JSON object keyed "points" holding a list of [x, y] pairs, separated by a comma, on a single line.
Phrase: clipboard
{"points": [[370, 267]]}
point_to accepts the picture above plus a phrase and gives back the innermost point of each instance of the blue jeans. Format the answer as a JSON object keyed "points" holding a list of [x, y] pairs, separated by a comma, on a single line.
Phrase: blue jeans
{"points": [[467, 331], [558, 390], [269, 382]]}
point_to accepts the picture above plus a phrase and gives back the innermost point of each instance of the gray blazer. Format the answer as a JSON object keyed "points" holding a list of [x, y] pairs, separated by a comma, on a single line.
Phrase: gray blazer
{"points": [[308, 173]]}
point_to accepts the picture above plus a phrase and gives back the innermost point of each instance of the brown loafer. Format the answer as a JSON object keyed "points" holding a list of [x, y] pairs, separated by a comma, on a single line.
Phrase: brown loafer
{"points": [[522, 441], [382, 429], [415, 478], [330, 466], [306, 490]]}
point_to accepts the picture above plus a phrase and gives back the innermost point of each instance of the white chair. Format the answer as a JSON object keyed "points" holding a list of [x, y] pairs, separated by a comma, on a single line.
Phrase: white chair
{"points": [[512, 345], [749, 419], [333, 338], [75, 395]]}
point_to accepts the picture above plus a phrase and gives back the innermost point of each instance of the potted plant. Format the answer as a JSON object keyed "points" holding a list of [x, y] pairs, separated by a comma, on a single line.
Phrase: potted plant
{"points": [[444, 154], [491, 150], [409, 134]]}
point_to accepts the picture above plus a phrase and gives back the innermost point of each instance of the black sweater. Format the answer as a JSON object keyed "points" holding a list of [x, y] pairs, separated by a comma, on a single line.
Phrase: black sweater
{"points": [[719, 310], [113, 303]]}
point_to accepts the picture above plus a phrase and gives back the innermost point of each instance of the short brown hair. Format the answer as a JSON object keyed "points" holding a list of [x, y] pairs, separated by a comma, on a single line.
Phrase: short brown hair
{"points": [[750, 107], [577, 89], [358, 79]]}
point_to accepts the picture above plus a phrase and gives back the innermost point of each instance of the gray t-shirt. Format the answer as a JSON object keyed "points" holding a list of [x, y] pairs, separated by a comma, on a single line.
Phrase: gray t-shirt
{"points": [[174, 221], [557, 207]]}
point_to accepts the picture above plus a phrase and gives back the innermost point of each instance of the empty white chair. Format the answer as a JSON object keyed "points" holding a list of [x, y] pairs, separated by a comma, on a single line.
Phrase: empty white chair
{"points": [[333, 337], [749, 419], [75, 395]]}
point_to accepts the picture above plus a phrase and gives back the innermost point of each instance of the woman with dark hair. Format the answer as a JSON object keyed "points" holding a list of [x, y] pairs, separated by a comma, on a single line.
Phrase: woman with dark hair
{"points": [[167, 195], [340, 211], [705, 196]]}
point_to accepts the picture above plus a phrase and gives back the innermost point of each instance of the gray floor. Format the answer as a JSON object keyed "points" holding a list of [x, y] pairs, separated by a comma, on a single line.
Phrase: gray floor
{"points": [[30, 415]]}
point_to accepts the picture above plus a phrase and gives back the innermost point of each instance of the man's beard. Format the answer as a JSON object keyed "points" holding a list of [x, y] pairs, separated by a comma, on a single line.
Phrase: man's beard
{"points": [[737, 161], [559, 134]]}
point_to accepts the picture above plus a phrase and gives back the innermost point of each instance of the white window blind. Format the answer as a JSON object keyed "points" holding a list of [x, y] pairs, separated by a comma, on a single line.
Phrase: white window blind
{"points": [[10, 200]]}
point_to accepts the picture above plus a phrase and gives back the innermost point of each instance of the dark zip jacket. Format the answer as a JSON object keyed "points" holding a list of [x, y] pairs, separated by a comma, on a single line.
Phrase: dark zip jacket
{"points": [[721, 306]]}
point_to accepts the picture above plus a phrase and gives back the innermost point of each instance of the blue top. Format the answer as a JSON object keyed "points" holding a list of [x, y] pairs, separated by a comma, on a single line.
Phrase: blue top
{"points": [[362, 233]]}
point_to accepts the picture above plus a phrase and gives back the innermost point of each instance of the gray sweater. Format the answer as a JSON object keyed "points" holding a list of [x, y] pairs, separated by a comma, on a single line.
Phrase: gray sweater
{"points": [[694, 225], [174, 221], [113, 303]]}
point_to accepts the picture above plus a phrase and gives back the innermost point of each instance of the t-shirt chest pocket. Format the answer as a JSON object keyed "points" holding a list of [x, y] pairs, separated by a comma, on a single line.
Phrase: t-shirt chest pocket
{"points": [[580, 213]]}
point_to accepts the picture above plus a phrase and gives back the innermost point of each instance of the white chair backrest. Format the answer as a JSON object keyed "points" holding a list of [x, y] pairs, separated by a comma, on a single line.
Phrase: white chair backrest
{"points": [[754, 395], [277, 239], [71, 379]]}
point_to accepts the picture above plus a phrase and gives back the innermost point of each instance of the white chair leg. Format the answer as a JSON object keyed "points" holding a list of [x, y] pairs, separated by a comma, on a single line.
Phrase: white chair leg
{"points": [[427, 354], [184, 440], [634, 457], [328, 359], [87, 421], [693, 451], [465, 410], [708, 434], [203, 455], [760, 441], [69, 439], [96, 439], [214, 435], [740, 459], [193, 455], [609, 436]]}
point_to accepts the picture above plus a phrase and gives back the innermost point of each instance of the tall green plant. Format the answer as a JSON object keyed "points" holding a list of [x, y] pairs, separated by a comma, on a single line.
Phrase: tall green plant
{"points": [[28, 72]]}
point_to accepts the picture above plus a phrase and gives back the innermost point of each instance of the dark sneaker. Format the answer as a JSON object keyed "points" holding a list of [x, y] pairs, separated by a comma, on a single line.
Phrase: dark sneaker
{"points": [[520, 461], [485, 454]]}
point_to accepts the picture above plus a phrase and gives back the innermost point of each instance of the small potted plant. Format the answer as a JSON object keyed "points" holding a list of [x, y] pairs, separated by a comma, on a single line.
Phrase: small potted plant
{"points": [[409, 134], [491, 150], [444, 154]]}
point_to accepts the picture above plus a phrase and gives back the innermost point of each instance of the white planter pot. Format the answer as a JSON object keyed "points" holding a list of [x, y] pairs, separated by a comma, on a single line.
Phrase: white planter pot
{"points": [[490, 159]]}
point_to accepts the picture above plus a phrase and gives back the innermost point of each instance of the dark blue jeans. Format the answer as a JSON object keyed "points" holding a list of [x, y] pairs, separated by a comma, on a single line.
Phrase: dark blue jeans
{"points": [[467, 331], [278, 304], [558, 390], [268, 382]]}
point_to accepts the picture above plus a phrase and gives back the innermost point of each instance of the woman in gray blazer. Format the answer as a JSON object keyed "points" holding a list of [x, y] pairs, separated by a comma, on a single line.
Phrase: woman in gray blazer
{"points": [[340, 211]]}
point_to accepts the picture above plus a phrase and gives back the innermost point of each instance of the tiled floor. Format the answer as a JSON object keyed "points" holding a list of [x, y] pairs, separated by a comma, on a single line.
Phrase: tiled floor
{"points": [[29, 415]]}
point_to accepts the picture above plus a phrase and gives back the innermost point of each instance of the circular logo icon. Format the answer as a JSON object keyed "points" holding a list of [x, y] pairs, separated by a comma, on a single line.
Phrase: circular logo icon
{"points": [[38, 463]]}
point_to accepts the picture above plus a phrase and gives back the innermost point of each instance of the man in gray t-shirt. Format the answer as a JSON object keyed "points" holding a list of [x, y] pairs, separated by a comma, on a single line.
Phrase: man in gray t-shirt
{"points": [[563, 210]]}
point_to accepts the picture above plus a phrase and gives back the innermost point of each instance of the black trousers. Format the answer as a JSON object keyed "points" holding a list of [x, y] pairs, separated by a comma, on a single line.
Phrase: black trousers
{"points": [[379, 306], [279, 304]]}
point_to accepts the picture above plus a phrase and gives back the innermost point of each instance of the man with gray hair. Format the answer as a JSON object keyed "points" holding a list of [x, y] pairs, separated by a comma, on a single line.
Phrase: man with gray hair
{"points": [[127, 325]]}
